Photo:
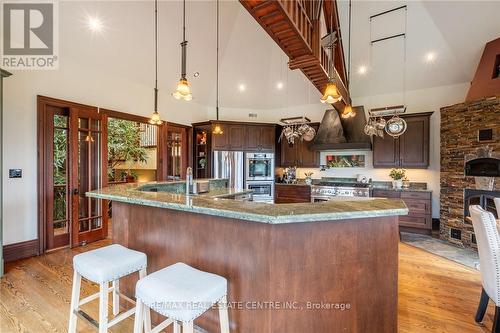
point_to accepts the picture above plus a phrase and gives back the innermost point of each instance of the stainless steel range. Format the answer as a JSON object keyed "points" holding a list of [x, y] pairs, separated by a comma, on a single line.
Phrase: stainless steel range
{"points": [[328, 191]]}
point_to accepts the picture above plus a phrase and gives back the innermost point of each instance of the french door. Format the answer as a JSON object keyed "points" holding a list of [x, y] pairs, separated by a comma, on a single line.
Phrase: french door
{"points": [[72, 152]]}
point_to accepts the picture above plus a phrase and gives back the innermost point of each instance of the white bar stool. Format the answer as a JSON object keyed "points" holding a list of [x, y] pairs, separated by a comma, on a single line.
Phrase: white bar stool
{"points": [[101, 266], [181, 293]]}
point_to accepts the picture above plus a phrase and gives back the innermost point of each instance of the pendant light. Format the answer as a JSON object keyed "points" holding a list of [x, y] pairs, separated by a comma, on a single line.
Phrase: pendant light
{"points": [[183, 91], [155, 117], [217, 129], [348, 112], [331, 94]]}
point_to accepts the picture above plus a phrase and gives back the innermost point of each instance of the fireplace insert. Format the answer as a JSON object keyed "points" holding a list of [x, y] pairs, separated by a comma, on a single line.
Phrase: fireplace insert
{"points": [[482, 198], [483, 167]]}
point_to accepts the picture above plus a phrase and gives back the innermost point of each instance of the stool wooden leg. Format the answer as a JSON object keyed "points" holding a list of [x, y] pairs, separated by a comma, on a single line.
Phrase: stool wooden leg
{"points": [[75, 300], [223, 315], [177, 327], [116, 297], [139, 311], [103, 307], [187, 327], [147, 319]]}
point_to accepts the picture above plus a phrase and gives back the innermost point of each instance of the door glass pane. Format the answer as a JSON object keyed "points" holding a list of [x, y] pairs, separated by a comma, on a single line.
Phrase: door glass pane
{"points": [[60, 190], [96, 223], [84, 139], [174, 154], [83, 225], [83, 123], [60, 121], [95, 124], [95, 176]]}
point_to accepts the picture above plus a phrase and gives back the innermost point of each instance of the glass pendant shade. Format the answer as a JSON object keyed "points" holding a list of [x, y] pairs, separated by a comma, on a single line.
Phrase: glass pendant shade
{"points": [[217, 130], [183, 91], [348, 112], [331, 94], [155, 119]]}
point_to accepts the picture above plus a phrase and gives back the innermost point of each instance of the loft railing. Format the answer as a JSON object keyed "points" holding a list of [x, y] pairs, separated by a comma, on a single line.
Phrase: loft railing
{"points": [[299, 16]]}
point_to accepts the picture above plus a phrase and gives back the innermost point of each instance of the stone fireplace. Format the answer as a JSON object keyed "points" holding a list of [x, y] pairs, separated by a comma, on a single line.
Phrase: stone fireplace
{"points": [[462, 126]]}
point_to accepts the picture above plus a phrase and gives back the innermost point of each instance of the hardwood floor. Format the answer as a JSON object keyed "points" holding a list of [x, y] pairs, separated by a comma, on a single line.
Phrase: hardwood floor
{"points": [[435, 294]]}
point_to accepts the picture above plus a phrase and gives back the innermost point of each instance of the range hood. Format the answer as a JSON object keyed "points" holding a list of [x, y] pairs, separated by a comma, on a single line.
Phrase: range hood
{"points": [[335, 133]]}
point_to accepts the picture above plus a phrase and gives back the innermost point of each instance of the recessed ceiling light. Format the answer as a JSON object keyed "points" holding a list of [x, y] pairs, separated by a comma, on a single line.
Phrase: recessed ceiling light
{"points": [[196, 74], [430, 57], [242, 87], [94, 24], [279, 85], [362, 70]]}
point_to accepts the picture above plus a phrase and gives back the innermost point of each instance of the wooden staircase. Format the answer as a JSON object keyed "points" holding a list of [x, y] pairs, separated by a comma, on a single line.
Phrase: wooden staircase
{"points": [[295, 27]]}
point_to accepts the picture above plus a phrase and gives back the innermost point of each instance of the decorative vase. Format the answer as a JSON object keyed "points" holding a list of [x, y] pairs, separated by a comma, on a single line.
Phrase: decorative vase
{"points": [[309, 180], [397, 184]]}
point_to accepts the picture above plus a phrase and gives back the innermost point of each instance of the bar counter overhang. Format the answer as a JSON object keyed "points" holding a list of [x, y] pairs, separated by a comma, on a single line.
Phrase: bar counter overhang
{"points": [[290, 268]]}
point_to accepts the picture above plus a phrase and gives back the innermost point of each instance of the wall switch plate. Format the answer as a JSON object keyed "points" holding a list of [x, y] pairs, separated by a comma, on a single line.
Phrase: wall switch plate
{"points": [[15, 173]]}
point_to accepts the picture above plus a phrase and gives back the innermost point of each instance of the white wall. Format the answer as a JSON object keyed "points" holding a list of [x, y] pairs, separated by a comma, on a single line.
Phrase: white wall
{"points": [[76, 83]]}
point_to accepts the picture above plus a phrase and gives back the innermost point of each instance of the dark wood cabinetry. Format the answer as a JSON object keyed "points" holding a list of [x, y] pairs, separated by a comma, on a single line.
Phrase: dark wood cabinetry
{"points": [[241, 136], [284, 193], [299, 154], [419, 218], [260, 137], [410, 150], [236, 136]]}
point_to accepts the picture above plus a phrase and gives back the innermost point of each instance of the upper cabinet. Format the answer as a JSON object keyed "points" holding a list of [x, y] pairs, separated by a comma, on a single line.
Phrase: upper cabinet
{"points": [[239, 136], [410, 150], [299, 154], [260, 137]]}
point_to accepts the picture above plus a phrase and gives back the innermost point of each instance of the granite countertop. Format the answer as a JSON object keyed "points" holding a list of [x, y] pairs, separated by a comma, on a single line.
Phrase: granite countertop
{"points": [[410, 189], [249, 210], [375, 185]]}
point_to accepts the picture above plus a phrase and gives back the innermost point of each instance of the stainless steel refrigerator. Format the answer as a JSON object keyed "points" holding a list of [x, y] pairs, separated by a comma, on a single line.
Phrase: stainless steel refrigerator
{"points": [[229, 164]]}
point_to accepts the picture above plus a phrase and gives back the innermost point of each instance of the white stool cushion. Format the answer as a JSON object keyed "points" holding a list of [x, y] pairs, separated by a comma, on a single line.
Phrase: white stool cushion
{"points": [[181, 292], [109, 263]]}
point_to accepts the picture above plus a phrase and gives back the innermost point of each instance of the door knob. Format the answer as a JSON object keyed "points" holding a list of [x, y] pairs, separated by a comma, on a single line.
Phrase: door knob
{"points": [[75, 191]]}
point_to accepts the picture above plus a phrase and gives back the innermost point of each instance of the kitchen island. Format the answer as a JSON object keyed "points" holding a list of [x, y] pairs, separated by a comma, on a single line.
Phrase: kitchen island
{"points": [[309, 267]]}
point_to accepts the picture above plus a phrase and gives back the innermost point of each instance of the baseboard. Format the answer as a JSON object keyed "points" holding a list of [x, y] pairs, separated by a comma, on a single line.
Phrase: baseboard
{"points": [[20, 250]]}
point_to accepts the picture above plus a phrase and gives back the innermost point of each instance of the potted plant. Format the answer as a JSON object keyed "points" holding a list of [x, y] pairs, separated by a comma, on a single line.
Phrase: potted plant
{"points": [[308, 177], [397, 175]]}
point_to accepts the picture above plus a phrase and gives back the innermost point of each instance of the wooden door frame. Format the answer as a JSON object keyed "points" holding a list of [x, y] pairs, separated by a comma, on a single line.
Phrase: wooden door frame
{"points": [[187, 137], [42, 151], [42, 101]]}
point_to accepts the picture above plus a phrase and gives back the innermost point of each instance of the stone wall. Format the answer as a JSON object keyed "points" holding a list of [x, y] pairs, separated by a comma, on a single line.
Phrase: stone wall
{"points": [[460, 124]]}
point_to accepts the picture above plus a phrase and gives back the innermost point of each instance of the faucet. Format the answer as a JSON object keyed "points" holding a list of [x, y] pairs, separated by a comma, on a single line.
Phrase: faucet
{"points": [[189, 180]]}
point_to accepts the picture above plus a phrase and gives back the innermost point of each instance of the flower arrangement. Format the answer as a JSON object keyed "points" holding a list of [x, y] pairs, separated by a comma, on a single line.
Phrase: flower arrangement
{"points": [[308, 177], [397, 174]]}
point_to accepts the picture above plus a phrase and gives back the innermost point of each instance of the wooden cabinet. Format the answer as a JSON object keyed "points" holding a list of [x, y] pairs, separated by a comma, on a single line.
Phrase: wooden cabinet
{"points": [[299, 154], [419, 218], [220, 141], [385, 152], [414, 143], [243, 136], [284, 193], [236, 136], [410, 150], [261, 137]]}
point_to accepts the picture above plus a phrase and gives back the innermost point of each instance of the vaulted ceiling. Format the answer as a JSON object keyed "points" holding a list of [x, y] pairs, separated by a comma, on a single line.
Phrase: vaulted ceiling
{"points": [[455, 31]]}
